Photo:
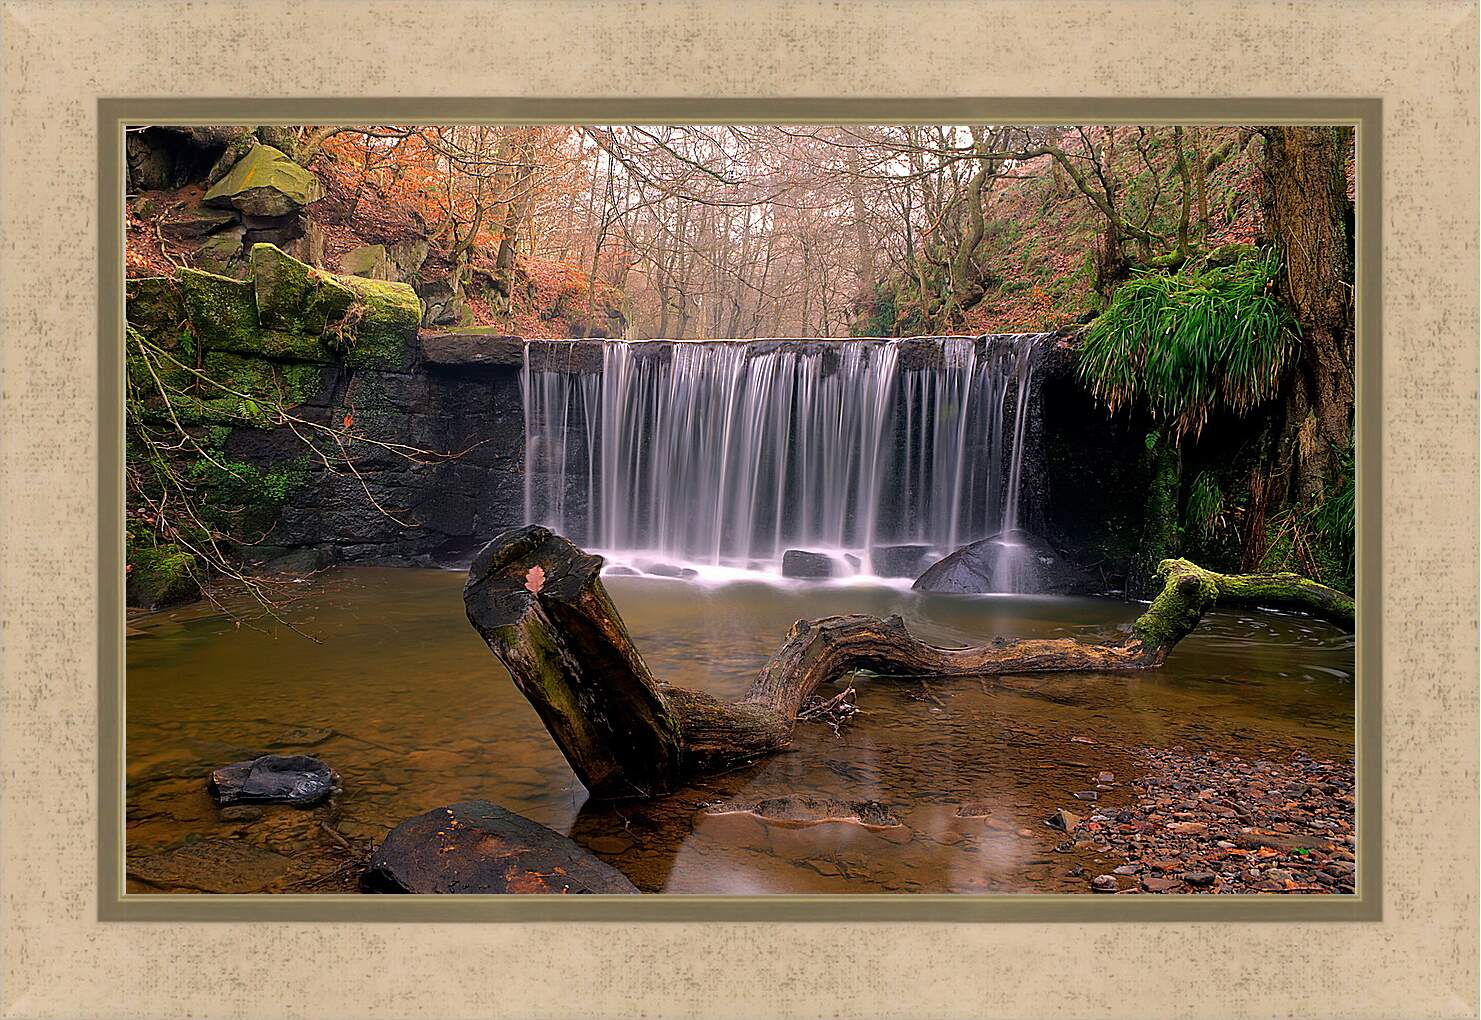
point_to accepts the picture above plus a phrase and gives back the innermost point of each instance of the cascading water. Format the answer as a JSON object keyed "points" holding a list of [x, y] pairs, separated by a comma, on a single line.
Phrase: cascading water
{"points": [[725, 454]]}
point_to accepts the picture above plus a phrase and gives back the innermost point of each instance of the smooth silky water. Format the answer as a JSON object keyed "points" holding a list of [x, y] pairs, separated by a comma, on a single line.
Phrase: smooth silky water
{"points": [[399, 695]]}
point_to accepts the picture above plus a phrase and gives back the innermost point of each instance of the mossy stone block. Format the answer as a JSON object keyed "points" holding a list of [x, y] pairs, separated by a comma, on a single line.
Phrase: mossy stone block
{"points": [[380, 329], [160, 576], [223, 316], [265, 182], [222, 311], [294, 296], [153, 306], [290, 383], [221, 253]]}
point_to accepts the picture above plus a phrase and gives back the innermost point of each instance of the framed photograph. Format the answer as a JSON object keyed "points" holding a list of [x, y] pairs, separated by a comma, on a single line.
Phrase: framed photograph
{"points": [[971, 519]]}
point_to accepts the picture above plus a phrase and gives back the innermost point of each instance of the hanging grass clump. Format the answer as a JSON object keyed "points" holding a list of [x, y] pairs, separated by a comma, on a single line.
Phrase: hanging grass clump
{"points": [[1191, 343]]}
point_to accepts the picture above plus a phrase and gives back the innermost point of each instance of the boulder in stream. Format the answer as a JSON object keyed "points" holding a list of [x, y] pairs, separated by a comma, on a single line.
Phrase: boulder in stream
{"points": [[1013, 562], [898, 560], [296, 779], [804, 564], [478, 847]]}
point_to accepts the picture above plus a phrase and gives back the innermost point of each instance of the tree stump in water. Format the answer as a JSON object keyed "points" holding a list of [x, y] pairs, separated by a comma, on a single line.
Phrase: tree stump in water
{"points": [[539, 603]]}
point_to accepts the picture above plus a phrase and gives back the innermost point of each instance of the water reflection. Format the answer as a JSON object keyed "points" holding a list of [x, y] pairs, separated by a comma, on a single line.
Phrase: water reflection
{"points": [[404, 700]]}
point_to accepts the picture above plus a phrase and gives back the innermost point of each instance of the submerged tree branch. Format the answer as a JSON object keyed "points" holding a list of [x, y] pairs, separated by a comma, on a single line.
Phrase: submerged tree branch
{"points": [[539, 604]]}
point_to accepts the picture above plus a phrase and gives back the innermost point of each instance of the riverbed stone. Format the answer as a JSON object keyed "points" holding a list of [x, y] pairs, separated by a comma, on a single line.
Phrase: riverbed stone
{"points": [[807, 809], [1064, 821], [479, 847], [213, 866], [296, 779]]}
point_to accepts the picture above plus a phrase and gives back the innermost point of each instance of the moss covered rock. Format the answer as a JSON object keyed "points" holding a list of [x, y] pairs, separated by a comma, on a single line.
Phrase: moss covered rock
{"points": [[265, 182], [379, 330], [223, 316], [292, 295], [153, 306], [160, 576]]}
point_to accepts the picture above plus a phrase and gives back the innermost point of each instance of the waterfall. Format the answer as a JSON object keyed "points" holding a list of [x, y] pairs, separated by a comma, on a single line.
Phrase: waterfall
{"points": [[727, 453]]}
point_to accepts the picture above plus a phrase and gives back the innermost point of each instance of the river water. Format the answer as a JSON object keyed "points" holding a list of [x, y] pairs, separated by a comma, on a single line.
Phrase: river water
{"points": [[396, 692]]}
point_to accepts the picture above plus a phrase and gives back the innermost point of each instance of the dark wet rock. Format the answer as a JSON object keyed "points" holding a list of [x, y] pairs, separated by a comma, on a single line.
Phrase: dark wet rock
{"points": [[1127, 869], [974, 809], [1105, 777], [1090, 795], [442, 300], [1199, 878], [213, 866], [898, 560], [479, 847], [272, 779], [295, 562], [1006, 562], [191, 223], [805, 809], [801, 563], [1104, 884], [620, 571], [1064, 821], [471, 348]]}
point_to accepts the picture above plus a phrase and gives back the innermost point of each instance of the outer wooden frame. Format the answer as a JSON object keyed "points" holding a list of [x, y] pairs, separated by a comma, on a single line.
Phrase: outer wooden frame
{"points": [[60, 59]]}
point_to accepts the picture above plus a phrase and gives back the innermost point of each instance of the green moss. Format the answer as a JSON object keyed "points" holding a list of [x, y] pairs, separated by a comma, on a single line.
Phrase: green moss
{"points": [[244, 499], [223, 316], [293, 296], [287, 383], [1161, 536], [380, 325], [153, 306], [1187, 591], [160, 575]]}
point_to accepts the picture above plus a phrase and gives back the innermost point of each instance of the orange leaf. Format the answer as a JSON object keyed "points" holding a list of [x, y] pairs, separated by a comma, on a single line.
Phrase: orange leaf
{"points": [[349, 421], [535, 579]]}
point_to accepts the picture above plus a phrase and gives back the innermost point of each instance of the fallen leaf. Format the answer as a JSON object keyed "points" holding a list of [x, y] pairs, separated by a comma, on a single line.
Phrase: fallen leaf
{"points": [[535, 579], [349, 420]]}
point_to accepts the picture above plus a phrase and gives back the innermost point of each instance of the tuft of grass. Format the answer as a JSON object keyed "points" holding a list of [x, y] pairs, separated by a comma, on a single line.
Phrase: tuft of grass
{"points": [[1204, 512], [1190, 344]]}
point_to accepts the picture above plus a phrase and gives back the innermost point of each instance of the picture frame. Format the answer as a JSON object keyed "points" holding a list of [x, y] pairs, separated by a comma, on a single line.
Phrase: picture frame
{"points": [[72, 901]]}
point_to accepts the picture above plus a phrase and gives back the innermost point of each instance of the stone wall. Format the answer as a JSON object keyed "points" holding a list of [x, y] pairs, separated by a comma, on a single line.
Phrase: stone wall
{"points": [[345, 434]]}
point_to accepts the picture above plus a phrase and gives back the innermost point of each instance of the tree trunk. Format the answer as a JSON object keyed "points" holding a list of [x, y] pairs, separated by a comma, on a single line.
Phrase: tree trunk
{"points": [[1306, 212], [539, 604]]}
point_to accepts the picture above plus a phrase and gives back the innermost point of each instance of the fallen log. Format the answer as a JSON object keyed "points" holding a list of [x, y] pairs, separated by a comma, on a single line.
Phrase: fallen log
{"points": [[539, 603]]}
